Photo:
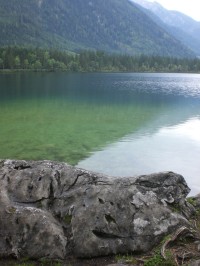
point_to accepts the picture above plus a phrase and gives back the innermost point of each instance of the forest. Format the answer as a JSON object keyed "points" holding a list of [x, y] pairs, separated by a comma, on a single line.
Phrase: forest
{"points": [[114, 26], [36, 59]]}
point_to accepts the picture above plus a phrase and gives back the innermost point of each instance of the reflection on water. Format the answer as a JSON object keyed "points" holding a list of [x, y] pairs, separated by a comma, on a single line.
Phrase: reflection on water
{"points": [[120, 124], [175, 148]]}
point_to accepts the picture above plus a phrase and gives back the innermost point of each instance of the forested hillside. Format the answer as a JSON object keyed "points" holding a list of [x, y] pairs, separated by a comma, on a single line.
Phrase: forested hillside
{"points": [[113, 26], [182, 27]]}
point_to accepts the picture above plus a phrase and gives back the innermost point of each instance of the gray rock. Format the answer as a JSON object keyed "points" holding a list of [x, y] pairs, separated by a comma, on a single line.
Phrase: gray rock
{"points": [[53, 210]]}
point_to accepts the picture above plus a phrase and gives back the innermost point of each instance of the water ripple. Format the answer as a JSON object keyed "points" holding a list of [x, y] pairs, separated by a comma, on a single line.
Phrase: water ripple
{"points": [[179, 86]]}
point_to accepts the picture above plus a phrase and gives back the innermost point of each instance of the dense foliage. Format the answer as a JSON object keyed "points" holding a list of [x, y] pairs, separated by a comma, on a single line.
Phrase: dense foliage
{"points": [[116, 26], [41, 59]]}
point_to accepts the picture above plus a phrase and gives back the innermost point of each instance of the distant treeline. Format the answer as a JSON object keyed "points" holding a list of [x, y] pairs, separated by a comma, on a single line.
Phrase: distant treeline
{"points": [[90, 61]]}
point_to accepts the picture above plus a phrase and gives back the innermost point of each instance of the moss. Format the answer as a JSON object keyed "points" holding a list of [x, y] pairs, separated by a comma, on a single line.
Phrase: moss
{"points": [[11, 210], [128, 259], [67, 219], [39, 204], [192, 201], [175, 207], [196, 219]]}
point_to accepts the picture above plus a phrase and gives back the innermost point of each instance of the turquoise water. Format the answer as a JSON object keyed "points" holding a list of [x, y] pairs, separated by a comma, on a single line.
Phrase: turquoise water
{"points": [[118, 124]]}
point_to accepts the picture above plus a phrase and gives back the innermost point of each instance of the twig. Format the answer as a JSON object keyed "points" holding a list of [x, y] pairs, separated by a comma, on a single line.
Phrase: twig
{"points": [[177, 234]]}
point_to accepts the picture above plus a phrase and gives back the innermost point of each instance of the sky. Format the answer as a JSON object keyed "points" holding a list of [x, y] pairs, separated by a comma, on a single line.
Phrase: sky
{"points": [[188, 7]]}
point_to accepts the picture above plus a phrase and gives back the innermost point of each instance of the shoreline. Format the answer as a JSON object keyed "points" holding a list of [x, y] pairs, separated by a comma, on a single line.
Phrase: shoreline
{"points": [[12, 71]]}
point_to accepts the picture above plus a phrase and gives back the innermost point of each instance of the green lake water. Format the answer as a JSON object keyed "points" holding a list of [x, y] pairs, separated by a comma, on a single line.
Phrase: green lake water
{"points": [[118, 124]]}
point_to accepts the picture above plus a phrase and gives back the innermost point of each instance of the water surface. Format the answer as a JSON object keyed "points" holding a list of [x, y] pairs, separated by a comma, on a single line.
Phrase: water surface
{"points": [[118, 124]]}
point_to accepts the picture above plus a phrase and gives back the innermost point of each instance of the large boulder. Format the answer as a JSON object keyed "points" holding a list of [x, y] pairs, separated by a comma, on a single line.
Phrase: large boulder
{"points": [[50, 209]]}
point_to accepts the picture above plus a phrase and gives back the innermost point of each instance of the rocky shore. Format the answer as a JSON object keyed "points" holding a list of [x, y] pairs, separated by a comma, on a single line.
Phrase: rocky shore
{"points": [[52, 210]]}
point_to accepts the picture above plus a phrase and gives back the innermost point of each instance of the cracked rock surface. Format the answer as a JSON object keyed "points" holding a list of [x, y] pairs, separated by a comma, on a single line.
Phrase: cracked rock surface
{"points": [[50, 209]]}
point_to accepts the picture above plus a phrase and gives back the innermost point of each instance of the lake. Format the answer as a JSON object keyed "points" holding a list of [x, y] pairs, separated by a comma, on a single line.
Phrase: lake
{"points": [[119, 124]]}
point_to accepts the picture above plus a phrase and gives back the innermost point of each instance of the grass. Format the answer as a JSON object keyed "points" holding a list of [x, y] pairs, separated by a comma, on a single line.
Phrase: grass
{"points": [[158, 260], [155, 259]]}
